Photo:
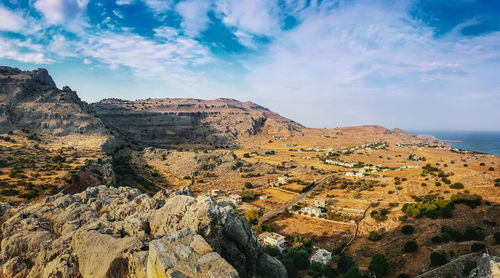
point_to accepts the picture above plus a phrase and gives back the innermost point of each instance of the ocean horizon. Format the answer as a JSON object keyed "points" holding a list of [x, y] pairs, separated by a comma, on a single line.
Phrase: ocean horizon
{"points": [[479, 141]]}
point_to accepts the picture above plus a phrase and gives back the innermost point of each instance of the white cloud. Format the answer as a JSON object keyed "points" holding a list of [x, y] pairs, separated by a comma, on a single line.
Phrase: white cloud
{"points": [[59, 11], [87, 61], [159, 6], [10, 21], [259, 17], [162, 60], [23, 51], [194, 16], [124, 2]]}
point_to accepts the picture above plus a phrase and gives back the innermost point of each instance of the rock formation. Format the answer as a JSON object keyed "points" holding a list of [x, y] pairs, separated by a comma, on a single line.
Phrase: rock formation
{"points": [[30, 100], [169, 122], [121, 232]]}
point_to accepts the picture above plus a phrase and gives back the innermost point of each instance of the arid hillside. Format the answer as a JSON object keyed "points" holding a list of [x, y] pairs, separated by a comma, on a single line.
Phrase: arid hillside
{"points": [[191, 122]]}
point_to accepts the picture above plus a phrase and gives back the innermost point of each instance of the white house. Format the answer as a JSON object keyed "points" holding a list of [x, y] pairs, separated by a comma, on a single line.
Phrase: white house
{"points": [[312, 211], [263, 197], [273, 239], [321, 256], [283, 180]]}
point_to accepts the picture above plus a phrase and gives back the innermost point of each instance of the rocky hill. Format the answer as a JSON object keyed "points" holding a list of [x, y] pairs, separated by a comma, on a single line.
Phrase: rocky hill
{"points": [[169, 122], [30, 100], [121, 232]]}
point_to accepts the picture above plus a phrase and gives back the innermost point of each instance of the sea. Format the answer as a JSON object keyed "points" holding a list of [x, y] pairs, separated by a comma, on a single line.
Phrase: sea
{"points": [[480, 141]]}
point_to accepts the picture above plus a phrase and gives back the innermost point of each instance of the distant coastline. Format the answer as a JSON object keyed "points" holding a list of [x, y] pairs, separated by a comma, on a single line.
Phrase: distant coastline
{"points": [[479, 141]]}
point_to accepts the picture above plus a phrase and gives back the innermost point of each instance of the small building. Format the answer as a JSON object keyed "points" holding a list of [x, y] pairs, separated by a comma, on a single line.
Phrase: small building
{"points": [[312, 211], [263, 197], [321, 256], [236, 199], [273, 239], [322, 203], [283, 180]]}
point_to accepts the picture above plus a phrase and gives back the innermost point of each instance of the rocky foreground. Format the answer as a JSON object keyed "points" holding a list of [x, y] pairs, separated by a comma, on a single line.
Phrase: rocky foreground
{"points": [[121, 232]]}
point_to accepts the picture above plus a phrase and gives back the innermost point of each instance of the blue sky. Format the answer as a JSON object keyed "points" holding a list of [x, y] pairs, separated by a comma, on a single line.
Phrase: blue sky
{"points": [[425, 64]]}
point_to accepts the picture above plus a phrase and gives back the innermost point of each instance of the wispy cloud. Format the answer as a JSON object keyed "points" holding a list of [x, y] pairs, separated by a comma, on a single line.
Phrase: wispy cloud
{"points": [[10, 20], [194, 15], [59, 11]]}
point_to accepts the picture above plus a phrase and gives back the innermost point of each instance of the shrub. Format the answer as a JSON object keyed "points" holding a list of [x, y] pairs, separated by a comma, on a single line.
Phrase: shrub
{"points": [[248, 195], [252, 216], [476, 247], [353, 272], [472, 200], [455, 234], [374, 236], [407, 229], [330, 272], [379, 265], [496, 236], [403, 275], [469, 265], [491, 169], [301, 259], [445, 237], [410, 247], [457, 185], [248, 184], [474, 233], [246, 155], [436, 239], [345, 263], [438, 259]]}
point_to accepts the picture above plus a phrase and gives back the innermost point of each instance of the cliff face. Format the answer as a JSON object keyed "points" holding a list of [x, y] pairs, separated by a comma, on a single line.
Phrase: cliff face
{"points": [[169, 122], [120, 232], [30, 100]]}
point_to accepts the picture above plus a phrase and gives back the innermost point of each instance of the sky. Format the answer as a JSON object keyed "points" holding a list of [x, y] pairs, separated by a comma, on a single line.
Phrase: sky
{"points": [[412, 64]]}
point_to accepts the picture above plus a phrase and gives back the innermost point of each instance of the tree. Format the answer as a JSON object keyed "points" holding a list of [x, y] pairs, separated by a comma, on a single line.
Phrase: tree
{"points": [[379, 265], [410, 247], [248, 184], [438, 259], [301, 260], [330, 272], [317, 268], [353, 272], [469, 265], [407, 229], [252, 216], [476, 247], [374, 236], [496, 236], [345, 263]]}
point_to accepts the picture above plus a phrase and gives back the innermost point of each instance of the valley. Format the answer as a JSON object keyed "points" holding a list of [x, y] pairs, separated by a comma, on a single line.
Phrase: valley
{"points": [[348, 190]]}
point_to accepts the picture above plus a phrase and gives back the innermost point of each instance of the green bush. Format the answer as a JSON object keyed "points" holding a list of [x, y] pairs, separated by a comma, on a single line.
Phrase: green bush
{"points": [[436, 239], [438, 259], [472, 200], [248, 195], [476, 247], [330, 272], [496, 236], [345, 263], [379, 265], [457, 185], [469, 265], [407, 229], [410, 247], [248, 184], [374, 236], [353, 272]]}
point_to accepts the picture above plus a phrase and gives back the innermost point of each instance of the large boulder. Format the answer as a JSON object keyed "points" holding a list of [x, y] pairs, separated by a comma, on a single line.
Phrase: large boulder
{"points": [[121, 232]]}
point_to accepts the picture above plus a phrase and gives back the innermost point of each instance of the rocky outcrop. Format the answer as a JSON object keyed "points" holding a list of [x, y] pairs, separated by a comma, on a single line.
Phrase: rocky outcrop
{"points": [[121, 232], [171, 122], [488, 267], [30, 100]]}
